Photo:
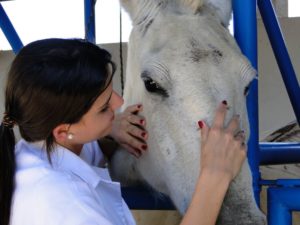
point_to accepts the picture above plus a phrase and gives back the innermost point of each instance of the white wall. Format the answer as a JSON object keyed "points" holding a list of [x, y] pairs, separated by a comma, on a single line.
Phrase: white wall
{"points": [[275, 109]]}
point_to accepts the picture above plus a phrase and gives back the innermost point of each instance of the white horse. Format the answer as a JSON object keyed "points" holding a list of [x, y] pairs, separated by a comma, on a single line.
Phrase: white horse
{"points": [[182, 61]]}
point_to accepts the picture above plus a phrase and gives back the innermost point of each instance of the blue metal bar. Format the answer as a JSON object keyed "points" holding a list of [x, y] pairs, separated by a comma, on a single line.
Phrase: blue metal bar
{"points": [[148, 199], [279, 153], [281, 54], [288, 182], [245, 32], [281, 202], [9, 31], [89, 20], [267, 182]]}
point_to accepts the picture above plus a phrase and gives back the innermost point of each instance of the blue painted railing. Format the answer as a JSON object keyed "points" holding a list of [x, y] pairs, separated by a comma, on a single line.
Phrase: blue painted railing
{"points": [[281, 153], [281, 202], [89, 20], [9, 31], [245, 33], [283, 197]]}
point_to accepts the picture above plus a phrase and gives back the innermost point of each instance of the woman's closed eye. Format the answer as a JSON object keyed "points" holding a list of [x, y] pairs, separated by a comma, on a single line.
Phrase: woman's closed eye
{"points": [[104, 108]]}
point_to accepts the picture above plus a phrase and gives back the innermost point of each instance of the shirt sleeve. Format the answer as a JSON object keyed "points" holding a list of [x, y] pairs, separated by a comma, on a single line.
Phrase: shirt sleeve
{"points": [[92, 154]]}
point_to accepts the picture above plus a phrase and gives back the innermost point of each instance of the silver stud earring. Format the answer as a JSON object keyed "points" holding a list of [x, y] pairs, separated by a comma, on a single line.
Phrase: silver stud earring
{"points": [[70, 136]]}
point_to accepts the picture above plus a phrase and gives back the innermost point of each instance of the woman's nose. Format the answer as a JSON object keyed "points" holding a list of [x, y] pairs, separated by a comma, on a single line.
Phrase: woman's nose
{"points": [[117, 101]]}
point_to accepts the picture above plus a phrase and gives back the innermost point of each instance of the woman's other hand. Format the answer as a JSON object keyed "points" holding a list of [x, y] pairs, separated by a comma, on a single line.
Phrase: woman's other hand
{"points": [[223, 149], [129, 130], [223, 152]]}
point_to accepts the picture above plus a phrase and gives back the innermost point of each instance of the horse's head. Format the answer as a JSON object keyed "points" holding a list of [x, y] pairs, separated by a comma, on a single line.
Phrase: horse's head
{"points": [[182, 62]]}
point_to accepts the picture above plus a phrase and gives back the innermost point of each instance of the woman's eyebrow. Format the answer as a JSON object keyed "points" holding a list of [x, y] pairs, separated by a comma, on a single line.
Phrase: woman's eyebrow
{"points": [[106, 103]]}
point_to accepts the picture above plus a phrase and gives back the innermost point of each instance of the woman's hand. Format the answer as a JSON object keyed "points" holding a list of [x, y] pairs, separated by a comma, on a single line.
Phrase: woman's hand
{"points": [[223, 149], [129, 130], [223, 152]]}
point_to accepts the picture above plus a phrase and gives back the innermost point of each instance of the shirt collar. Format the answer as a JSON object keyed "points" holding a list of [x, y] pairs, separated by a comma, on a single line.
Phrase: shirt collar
{"points": [[65, 160]]}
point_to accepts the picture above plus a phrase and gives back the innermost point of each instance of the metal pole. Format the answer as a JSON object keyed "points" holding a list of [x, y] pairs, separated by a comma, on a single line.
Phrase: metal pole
{"points": [[281, 202], [279, 153], [9, 31], [89, 20], [245, 33]]}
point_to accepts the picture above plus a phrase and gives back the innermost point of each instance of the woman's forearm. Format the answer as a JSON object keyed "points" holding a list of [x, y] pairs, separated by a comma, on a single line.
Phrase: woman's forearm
{"points": [[207, 199]]}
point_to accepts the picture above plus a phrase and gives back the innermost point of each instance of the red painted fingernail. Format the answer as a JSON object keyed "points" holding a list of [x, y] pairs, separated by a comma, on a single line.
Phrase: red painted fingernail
{"points": [[143, 134], [144, 147], [224, 102], [139, 106], [142, 122], [200, 124], [138, 152]]}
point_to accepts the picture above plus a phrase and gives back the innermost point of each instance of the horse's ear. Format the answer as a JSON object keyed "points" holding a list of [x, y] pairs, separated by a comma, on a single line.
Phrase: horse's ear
{"points": [[195, 5], [129, 6], [223, 9]]}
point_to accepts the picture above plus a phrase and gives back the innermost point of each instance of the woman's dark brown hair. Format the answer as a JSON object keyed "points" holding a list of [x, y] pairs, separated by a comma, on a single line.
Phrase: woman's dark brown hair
{"points": [[51, 82]]}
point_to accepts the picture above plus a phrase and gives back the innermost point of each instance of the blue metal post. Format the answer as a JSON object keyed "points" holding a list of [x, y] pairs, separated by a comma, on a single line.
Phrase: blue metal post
{"points": [[281, 54], [279, 153], [89, 20], [281, 202], [245, 32], [9, 31]]}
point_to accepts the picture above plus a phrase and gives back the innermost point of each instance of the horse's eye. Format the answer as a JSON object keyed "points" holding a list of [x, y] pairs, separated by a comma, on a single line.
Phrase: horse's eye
{"points": [[246, 90], [153, 87]]}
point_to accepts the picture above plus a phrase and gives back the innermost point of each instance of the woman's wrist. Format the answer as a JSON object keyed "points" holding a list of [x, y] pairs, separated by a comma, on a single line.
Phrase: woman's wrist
{"points": [[212, 177], [208, 196]]}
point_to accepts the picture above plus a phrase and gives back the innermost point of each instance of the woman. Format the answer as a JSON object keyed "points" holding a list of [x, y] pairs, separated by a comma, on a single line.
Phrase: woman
{"points": [[59, 93]]}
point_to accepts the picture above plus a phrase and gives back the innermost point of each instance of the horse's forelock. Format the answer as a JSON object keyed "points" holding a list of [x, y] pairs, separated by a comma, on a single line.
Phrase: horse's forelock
{"points": [[134, 6]]}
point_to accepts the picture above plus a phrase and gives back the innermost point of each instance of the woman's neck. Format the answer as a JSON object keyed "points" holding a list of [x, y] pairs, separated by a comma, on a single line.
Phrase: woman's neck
{"points": [[75, 148]]}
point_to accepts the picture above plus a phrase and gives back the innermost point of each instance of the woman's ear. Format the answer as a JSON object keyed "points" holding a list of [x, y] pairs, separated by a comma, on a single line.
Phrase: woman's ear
{"points": [[60, 133]]}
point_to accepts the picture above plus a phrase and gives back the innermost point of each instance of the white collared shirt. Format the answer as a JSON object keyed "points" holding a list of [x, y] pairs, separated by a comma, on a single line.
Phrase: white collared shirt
{"points": [[70, 191]]}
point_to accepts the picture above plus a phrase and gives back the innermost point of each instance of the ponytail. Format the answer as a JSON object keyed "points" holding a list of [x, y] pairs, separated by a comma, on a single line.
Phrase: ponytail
{"points": [[7, 171]]}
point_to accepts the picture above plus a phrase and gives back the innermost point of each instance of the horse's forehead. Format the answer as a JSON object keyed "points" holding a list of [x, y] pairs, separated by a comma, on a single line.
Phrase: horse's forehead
{"points": [[196, 46], [180, 28], [187, 40], [193, 37]]}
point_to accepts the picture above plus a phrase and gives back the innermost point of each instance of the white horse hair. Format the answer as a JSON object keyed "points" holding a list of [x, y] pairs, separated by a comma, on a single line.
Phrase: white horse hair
{"points": [[182, 62]]}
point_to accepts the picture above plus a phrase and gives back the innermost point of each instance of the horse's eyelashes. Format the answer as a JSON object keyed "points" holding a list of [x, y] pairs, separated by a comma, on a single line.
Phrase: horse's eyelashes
{"points": [[246, 91], [153, 87]]}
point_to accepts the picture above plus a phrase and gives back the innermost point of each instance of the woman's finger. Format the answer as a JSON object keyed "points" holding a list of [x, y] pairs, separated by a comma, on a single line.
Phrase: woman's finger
{"points": [[136, 120], [134, 109], [134, 142], [137, 132], [218, 121], [135, 152], [204, 130], [233, 124], [240, 136]]}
